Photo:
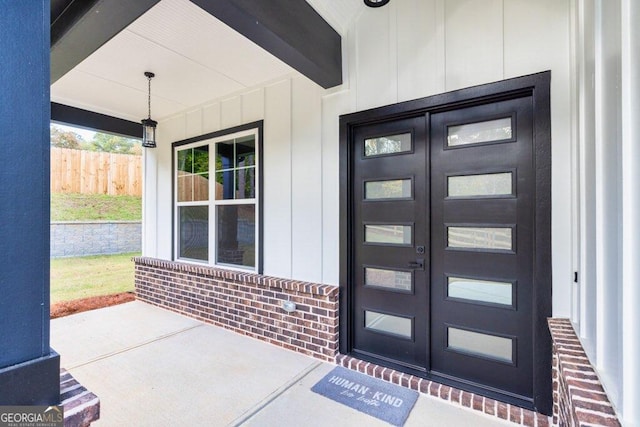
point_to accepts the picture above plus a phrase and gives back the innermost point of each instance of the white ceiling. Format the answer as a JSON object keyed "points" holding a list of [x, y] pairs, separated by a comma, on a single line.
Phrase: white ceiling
{"points": [[338, 13], [196, 58]]}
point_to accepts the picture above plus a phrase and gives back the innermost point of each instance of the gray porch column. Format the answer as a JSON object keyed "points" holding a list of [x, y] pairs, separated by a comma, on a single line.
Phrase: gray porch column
{"points": [[29, 369]]}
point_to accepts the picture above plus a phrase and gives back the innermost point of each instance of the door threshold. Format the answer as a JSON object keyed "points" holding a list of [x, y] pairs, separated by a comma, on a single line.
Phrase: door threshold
{"points": [[476, 402]]}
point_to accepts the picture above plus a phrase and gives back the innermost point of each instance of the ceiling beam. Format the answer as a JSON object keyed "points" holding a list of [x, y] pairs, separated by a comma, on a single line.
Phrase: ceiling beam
{"points": [[73, 116], [291, 30], [83, 26]]}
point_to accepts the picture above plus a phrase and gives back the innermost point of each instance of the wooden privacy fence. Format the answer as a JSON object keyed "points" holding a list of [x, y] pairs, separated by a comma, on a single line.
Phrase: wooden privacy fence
{"points": [[90, 172]]}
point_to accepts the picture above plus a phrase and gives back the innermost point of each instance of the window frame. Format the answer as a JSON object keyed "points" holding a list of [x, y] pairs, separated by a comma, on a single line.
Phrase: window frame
{"points": [[211, 139]]}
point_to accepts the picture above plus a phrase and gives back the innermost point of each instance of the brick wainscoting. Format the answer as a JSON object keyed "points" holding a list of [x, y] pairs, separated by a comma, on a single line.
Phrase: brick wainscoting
{"points": [[249, 304], [578, 396]]}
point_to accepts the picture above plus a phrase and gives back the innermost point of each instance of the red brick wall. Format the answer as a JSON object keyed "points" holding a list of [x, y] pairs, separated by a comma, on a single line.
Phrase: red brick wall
{"points": [[249, 304], [81, 407], [578, 396], [491, 407]]}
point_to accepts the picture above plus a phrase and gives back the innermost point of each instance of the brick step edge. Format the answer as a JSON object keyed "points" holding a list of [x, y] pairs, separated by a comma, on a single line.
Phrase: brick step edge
{"points": [[476, 402], [81, 407]]}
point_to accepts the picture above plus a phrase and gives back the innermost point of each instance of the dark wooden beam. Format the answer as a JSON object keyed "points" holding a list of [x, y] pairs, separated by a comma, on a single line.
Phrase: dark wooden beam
{"points": [[80, 27], [61, 113], [291, 30]]}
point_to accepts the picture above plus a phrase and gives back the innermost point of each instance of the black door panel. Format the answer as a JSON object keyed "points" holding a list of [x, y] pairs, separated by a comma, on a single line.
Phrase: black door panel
{"points": [[390, 316], [474, 340], [450, 294]]}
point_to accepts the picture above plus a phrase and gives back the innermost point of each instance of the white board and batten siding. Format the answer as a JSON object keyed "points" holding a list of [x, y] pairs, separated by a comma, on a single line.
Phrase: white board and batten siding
{"points": [[415, 48], [292, 155], [408, 49]]}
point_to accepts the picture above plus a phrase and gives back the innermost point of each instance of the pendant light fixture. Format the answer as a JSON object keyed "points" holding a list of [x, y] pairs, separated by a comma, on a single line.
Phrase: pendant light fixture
{"points": [[149, 125]]}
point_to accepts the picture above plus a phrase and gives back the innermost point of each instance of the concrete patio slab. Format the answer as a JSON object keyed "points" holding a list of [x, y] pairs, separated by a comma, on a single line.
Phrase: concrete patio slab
{"points": [[299, 406], [114, 329], [152, 367]]}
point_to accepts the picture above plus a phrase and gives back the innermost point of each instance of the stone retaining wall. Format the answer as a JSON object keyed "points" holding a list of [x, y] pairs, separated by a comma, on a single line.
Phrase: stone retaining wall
{"points": [[82, 238]]}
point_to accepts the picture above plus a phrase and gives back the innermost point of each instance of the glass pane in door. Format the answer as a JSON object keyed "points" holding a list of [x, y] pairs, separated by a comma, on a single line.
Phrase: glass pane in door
{"points": [[388, 234], [499, 238]]}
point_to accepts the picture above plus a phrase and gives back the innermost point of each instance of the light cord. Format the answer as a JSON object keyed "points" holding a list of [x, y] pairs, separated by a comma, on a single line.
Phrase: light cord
{"points": [[149, 79]]}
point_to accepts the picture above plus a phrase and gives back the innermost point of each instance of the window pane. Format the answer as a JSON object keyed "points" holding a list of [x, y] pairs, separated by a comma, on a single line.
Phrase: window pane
{"points": [[201, 159], [386, 323], [224, 185], [391, 279], [185, 187], [200, 187], [492, 184], [476, 133], [245, 151], [393, 234], [387, 144], [194, 160], [476, 343], [185, 160], [194, 232], [224, 155], [245, 183], [236, 229], [480, 237], [193, 187], [390, 189], [480, 290]]}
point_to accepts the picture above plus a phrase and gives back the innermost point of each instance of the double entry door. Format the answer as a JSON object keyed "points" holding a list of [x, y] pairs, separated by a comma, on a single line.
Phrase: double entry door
{"points": [[442, 249]]}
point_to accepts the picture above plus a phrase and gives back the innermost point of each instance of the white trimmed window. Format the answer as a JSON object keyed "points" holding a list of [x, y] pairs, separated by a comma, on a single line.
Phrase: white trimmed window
{"points": [[216, 200]]}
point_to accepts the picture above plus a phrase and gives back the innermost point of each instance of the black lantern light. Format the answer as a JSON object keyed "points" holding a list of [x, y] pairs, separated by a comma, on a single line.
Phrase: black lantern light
{"points": [[149, 125], [375, 3]]}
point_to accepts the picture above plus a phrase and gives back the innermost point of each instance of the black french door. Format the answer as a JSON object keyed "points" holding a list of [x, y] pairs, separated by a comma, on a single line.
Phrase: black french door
{"points": [[444, 246]]}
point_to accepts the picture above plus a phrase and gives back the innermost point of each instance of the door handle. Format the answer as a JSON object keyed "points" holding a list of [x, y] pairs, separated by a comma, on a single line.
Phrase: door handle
{"points": [[417, 264]]}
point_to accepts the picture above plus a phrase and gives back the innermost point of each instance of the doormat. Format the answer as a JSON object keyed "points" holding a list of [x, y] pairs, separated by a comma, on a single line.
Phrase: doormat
{"points": [[380, 399]]}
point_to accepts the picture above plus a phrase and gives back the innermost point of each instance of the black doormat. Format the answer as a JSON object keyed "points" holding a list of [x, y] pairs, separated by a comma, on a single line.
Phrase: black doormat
{"points": [[383, 400]]}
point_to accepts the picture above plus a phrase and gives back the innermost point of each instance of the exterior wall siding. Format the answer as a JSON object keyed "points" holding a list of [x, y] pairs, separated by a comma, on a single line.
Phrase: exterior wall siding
{"points": [[291, 110], [381, 67], [605, 314], [416, 48], [245, 303]]}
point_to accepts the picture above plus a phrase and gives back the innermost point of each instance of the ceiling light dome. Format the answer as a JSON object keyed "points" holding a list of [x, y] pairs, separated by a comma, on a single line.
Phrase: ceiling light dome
{"points": [[375, 3]]}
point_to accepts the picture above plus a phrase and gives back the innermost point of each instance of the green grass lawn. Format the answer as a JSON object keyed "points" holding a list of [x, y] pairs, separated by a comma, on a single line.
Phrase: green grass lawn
{"points": [[88, 207], [74, 278]]}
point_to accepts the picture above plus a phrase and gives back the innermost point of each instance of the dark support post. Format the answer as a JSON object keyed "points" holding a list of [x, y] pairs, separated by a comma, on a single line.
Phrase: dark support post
{"points": [[29, 368]]}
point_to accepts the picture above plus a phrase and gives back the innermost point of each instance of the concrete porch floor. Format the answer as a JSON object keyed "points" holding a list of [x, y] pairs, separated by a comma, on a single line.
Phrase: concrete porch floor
{"points": [[153, 367]]}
